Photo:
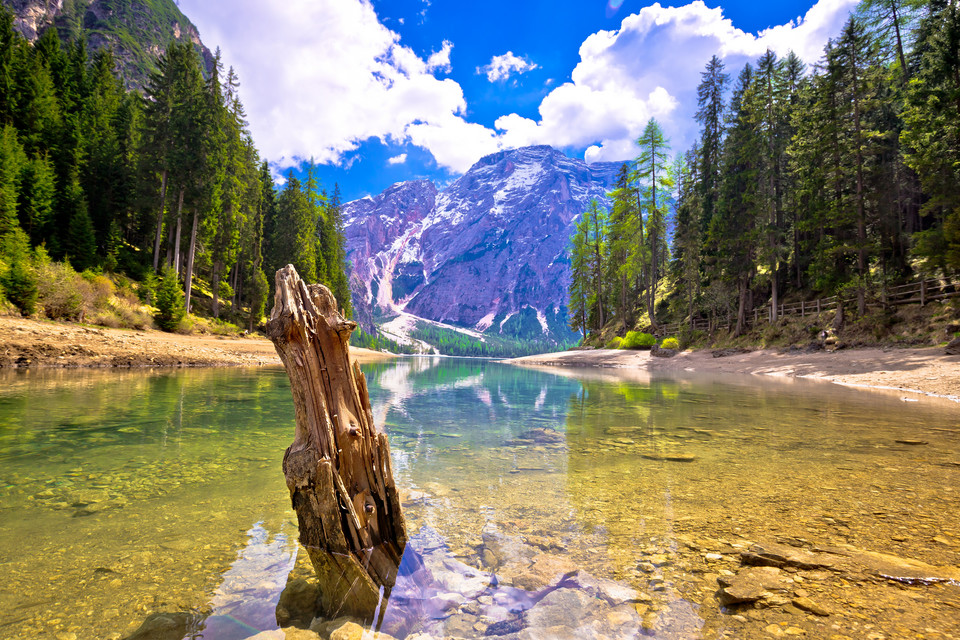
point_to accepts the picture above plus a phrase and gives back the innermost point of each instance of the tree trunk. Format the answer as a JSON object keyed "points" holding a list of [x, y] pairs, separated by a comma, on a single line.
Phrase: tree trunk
{"points": [[338, 468], [741, 307], [176, 243], [193, 250], [861, 213], [159, 238], [215, 286]]}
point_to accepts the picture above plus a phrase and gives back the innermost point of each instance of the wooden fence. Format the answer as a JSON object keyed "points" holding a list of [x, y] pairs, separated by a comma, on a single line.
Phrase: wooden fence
{"points": [[920, 292]]}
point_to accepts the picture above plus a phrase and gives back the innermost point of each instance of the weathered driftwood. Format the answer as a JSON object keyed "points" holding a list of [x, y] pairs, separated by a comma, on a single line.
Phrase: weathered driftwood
{"points": [[338, 468]]}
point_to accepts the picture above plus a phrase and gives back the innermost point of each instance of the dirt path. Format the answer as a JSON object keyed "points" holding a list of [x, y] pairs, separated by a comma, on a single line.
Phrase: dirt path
{"points": [[31, 343], [916, 371]]}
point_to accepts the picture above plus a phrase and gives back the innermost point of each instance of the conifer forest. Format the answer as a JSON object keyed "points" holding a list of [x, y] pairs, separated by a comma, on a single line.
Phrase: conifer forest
{"points": [[163, 189], [835, 176]]}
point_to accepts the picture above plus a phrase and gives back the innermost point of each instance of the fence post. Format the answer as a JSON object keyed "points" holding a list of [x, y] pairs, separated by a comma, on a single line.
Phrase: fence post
{"points": [[802, 311], [756, 319], [818, 306], [923, 292]]}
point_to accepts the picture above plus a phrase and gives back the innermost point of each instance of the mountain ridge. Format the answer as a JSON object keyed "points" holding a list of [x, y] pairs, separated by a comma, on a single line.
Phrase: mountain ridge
{"points": [[138, 31], [486, 256]]}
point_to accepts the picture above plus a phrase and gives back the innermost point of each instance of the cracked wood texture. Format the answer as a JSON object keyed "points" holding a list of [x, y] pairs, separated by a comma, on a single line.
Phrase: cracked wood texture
{"points": [[338, 468]]}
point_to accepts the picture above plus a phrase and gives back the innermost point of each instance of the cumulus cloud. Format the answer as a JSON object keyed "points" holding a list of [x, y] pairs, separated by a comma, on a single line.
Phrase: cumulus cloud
{"points": [[501, 67], [321, 76], [440, 60], [650, 67], [400, 159]]}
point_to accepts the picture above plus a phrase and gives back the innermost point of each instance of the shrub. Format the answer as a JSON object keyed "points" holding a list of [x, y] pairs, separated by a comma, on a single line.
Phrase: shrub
{"points": [[670, 343], [637, 340], [225, 291], [170, 309], [615, 343], [63, 292]]}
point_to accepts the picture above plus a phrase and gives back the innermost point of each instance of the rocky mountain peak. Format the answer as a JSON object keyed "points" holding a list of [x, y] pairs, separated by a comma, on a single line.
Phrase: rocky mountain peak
{"points": [[138, 31], [487, 255]]}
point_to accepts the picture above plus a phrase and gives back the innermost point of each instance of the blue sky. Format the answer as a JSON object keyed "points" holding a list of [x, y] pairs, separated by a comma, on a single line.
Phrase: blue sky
{"points": [[379, 91]]}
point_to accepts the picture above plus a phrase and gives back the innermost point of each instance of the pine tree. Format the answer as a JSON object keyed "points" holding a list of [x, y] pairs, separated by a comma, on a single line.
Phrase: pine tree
{"points": [[652, 172], [81, 242], [596, 243], [336, 258], [711, 112], [12, 162], [580, 288], [622, 258], [734, 232], [170, 302], [932, 134], [687, 242], [36, 199]]}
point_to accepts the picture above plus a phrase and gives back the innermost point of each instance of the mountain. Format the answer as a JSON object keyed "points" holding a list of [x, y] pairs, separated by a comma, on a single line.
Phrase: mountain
{"points": [[137, 30], [485, 258]]}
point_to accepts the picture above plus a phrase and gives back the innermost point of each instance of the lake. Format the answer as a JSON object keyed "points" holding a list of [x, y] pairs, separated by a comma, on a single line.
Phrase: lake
{"points": [[127, 493]]}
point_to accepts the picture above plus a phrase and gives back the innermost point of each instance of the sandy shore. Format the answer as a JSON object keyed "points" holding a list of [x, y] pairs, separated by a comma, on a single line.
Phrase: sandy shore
{"points": [[30, 343], [924, 371]]}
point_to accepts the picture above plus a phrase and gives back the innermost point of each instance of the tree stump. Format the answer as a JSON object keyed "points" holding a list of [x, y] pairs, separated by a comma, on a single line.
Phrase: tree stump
{"points": [[338, 467]]}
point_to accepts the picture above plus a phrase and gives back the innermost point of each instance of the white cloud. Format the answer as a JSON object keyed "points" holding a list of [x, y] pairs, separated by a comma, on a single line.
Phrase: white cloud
{"points": [[321, 76], [501, 67], [400, 159], [650, 67], [440, 60]]}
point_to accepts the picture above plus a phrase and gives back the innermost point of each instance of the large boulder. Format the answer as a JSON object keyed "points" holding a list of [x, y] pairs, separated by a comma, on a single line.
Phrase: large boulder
{"points": [[953, 348]]}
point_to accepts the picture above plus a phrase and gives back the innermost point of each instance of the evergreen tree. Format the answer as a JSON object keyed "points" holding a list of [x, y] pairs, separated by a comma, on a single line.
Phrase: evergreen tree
{"points": [[81, 243], [170, 305], [12, 163], [687, 242], [596, 247], [336, 258], [652, 172], [932, 134], [36, 199], [580, 288], [734, 231], [623, 237], [711, 113], [19, 282]]}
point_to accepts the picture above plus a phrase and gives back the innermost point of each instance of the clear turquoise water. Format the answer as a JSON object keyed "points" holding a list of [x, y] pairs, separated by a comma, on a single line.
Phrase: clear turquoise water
{"points": [[126, 493]]}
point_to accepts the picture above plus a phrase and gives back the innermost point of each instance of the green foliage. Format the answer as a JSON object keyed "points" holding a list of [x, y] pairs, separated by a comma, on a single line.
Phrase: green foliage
{"points": [[118, 182], [800, 183], [378, 342], [456, 343], [638, 340], [170, 309], [670, 343], [19, 280], [614, 343]]}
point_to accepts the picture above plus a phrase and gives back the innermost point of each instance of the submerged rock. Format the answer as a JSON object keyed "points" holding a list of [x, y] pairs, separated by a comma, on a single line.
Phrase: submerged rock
{"points": [[166, 626], [781, 555], [809, 605], [538, 435], [298, 603], [754, 584]]}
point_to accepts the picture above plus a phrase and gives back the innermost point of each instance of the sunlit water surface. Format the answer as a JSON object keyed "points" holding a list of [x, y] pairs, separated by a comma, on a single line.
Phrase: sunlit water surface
{"points": [[128, 493]]}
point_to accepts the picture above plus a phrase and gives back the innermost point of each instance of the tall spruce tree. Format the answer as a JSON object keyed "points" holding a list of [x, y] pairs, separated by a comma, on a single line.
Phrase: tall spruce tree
{"points": [[653, 174]]}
